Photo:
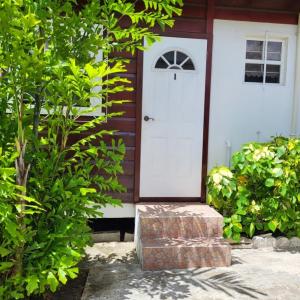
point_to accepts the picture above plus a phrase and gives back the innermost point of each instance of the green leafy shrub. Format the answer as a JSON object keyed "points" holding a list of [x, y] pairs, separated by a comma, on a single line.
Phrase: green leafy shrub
{"points": [[56, 167], [261, 191]]}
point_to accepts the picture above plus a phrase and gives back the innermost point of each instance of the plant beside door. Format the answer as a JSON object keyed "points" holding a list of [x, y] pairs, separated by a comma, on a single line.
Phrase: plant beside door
{"points": [[261, 191]]}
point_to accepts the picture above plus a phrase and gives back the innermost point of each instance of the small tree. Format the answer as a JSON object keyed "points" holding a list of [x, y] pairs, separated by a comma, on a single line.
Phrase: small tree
{"points": [[55, 167]]}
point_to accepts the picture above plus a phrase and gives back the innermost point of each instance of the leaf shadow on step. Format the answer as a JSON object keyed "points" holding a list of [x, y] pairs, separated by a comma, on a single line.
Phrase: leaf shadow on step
{"points": [[182, 284], [170, 210], [100, 259]]}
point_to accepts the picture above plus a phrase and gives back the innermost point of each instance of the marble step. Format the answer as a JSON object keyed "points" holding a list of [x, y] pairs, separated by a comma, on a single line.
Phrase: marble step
{"points": [[180, 253], [174, 220]]}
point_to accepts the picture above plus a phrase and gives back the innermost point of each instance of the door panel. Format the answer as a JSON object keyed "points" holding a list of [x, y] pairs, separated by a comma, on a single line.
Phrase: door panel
{"points": [[171, 149]]}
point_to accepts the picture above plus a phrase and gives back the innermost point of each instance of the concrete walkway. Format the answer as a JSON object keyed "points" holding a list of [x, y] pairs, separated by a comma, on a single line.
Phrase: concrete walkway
{"points": [[254, 274]]}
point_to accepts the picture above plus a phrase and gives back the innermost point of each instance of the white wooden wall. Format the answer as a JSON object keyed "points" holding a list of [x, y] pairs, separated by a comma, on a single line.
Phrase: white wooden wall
{"points": [[244, 112]]}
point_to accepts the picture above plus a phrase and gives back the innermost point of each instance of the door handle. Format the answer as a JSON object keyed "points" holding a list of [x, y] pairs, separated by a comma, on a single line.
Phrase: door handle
{"points": [[147, 118]]}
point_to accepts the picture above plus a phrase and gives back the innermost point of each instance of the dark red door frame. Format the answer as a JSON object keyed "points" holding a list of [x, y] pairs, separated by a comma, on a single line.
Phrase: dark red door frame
{"points": [[139, 91], [138, 131], [209, 30]]}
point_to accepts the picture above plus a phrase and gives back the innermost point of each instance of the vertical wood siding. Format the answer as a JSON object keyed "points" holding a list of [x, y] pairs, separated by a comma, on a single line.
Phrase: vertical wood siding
{"points": [[193, 23]]}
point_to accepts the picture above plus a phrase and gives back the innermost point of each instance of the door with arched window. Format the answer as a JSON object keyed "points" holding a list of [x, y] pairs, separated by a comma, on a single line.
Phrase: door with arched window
{"points": [[172, 118]]}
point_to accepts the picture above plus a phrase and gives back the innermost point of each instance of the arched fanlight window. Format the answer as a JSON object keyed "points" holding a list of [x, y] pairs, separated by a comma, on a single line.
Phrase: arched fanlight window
{"points": [[175, 60]]}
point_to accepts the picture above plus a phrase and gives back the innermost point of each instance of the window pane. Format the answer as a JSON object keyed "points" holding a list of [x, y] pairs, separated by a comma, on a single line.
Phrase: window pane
{"points": [[274, 51], [254, 67], [274, 56], [188, 65], [180, 57], [170, 57], [254, 73], [274, 46], [273, 68], [254, 55], [273, 74], [161, 64], [254, 49]]}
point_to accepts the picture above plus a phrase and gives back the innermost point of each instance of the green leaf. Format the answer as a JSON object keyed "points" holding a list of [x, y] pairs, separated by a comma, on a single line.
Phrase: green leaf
{"points": [[241, 212], [227, 220], [280, 151], [236, 218], [72, 272], [92, 150], [236, 237], [4, 252], [52, 281], [17, 295], [62, 276], [5, 265], [283, 190], [277, 172], [251, 229], [91, 71], [227, 231], [32, 284], [237, 227], [28, 199], [11, 228], [85, 191], [269, 182], [272, 225]]}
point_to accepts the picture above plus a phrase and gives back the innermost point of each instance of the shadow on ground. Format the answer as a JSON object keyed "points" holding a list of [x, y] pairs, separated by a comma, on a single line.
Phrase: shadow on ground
{"points": [[125, 273], [170, 285], [113, 258]]}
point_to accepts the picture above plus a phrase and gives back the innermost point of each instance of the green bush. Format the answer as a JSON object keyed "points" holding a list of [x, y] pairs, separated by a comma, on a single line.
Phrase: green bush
{"points": [[261, 191], [57, 167]]}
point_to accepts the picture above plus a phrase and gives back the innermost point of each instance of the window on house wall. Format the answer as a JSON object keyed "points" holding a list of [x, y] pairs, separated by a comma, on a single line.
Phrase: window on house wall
{"points": [[175, 60], [264, 61]]}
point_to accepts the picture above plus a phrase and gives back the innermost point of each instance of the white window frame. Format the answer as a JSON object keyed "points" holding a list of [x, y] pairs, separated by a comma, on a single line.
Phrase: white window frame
{"points": [[264, 61]]}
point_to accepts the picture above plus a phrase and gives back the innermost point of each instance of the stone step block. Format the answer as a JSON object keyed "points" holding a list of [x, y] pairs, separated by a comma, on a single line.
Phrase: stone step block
{"points": [[167, 254], [176, 220]]}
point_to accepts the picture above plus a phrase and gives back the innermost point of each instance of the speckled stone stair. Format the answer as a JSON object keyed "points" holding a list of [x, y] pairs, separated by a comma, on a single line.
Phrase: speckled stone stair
{"points": [[179, 236]]}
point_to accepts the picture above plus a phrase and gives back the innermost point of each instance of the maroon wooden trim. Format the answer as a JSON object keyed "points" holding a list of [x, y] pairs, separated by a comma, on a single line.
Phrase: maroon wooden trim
{"points": [[192, 35], [138, 130], [170, 199], [256, 16], [209, 29]]}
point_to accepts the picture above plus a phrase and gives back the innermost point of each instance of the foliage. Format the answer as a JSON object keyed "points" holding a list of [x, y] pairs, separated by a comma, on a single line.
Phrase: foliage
{"points": [[56, 166], [261, 192]]}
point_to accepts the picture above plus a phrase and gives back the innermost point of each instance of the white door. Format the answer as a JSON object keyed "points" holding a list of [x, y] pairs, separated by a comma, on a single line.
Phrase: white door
{"points": [[172, 118]]}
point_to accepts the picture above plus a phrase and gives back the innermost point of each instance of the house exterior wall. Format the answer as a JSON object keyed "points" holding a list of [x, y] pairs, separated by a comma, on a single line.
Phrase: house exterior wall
{"points": [[197, 22], [192, 23], [242, 112]]}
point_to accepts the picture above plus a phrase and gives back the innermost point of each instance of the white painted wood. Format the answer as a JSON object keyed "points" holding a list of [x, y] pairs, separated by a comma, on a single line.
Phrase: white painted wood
{"points": [[127, 210], [171, 146], [296, 101], [244, 112]]}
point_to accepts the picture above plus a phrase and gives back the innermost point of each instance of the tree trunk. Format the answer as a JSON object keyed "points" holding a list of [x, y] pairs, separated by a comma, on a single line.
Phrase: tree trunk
{"points": [[21, 179]]}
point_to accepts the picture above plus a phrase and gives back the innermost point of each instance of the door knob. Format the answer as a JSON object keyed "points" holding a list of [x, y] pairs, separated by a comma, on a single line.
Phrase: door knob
{"points": [[147, 118]]}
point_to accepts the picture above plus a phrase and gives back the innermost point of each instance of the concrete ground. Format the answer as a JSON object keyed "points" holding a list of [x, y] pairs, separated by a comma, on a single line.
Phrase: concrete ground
{"points": [[254, 274]]}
